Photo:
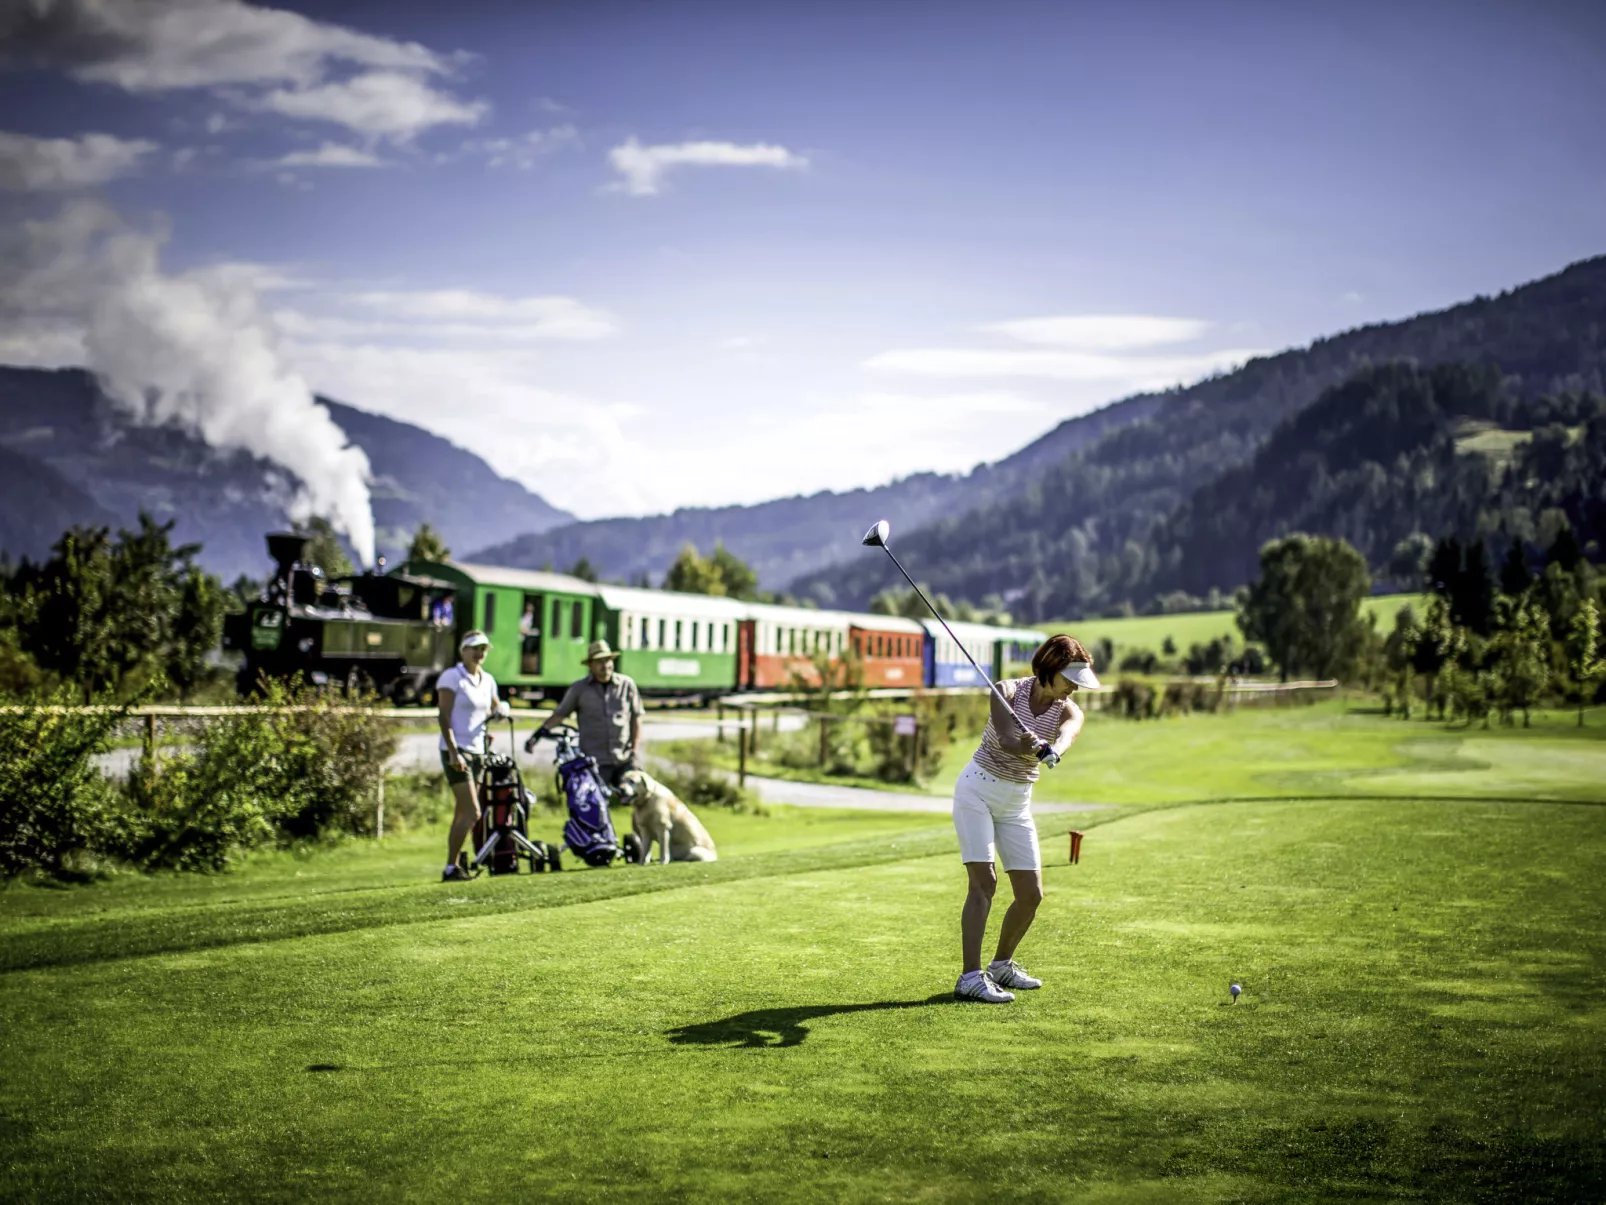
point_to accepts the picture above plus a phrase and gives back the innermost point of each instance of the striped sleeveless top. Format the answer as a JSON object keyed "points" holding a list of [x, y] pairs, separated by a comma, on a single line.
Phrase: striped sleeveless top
{"points": [[992, 757]]}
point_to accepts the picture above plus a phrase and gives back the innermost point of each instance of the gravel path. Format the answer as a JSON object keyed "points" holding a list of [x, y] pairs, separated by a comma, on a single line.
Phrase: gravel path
{"points": [[419, 751]]}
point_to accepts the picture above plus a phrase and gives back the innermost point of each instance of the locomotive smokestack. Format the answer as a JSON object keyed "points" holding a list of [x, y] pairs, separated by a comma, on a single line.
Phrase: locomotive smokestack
{"points": [[286, 547]]}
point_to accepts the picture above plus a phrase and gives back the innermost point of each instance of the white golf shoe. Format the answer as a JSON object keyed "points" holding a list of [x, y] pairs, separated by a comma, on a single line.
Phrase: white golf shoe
{"points": [[975, 985], [1011, 974]]}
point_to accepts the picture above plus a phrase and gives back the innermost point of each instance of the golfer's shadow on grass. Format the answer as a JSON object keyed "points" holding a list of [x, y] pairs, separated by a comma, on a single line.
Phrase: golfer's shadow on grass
{"points": [[781, 1026]]}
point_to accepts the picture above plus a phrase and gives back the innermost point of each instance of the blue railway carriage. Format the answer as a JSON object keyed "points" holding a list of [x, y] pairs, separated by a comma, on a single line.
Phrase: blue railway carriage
{"points": [[1002, 652], [673, 643]]}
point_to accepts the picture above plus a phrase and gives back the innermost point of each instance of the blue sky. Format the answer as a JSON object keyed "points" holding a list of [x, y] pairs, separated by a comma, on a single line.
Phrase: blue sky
{"points": [[648, 255]]}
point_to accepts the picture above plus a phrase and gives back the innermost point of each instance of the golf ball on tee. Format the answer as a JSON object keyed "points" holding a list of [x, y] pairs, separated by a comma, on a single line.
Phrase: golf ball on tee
{"points": [[1235, 989]]}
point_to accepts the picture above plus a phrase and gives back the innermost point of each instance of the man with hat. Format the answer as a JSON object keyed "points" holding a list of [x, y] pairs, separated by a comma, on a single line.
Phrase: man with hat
{"points": [[607, 706]]}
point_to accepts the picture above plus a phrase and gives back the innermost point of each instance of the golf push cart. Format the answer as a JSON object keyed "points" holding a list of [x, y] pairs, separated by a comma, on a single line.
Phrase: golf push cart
{"points": [[501, 835]]}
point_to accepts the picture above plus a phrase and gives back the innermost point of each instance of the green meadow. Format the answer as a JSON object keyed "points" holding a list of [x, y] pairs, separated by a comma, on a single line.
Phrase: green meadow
{"points": [[1197, 627], [1417, 915]]}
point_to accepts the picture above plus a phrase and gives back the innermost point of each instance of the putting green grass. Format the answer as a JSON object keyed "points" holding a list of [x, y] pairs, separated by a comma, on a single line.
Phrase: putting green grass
{"points": [[1423, 1015], [1197, 627]]}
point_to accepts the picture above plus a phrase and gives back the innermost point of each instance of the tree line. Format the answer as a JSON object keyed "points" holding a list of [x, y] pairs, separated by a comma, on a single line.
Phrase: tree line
{"points": [[1487, 642]]}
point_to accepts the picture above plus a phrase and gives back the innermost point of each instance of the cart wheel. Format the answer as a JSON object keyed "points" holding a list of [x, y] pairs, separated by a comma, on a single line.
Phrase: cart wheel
{"points": [[537, 857], [634, 852], [554, 857]]}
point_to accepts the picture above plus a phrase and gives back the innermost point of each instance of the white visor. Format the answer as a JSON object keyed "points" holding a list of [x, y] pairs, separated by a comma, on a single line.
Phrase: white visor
{"points": [[1081, 673], [474, 641]]}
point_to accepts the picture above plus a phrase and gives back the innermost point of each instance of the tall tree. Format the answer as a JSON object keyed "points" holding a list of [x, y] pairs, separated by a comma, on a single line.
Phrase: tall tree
{"points": [[1515, 576], [427, 545], [739, 578], [324, 548], [584, 570], [1586, 655], [692, 574], [197, 625], [1520, 652], [1305, 606]]}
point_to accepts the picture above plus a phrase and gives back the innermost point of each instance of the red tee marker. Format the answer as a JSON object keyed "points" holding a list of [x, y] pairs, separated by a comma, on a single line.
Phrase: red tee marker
{"points": [[1076, 847]]}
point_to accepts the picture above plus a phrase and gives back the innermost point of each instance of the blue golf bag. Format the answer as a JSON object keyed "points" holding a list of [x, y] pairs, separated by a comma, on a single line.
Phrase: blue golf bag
{"points": [[589, 830]]}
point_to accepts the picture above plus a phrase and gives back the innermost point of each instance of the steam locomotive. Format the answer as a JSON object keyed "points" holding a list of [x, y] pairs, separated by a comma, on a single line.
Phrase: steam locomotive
{"points": [[389, 632]]}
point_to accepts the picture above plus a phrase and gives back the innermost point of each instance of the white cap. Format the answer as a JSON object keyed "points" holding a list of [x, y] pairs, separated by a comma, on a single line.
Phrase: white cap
{"points": [[473, 640], [1081, 673]]}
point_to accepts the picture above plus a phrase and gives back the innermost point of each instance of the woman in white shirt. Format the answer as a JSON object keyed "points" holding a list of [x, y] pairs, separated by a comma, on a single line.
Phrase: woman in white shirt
{"points": [[993, 810], [468, 701]]}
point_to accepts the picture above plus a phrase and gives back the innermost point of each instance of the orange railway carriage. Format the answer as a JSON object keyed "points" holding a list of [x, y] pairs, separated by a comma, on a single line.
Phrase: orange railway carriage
{"points": [[892, 650], [778, 644]]}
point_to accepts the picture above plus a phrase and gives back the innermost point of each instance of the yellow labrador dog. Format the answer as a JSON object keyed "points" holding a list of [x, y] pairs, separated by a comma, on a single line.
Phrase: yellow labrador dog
{"points": [[657, 815]]}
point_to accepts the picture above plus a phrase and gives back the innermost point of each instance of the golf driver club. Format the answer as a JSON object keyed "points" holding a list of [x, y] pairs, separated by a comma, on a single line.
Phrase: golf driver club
{"points": [[876, 537]]}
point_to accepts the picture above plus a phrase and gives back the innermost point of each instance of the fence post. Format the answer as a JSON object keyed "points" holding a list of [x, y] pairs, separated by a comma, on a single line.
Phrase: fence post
{"points": [[719, 722], [150, 740], [825, 738], [379, 811], [741, 757], [752, 727]]}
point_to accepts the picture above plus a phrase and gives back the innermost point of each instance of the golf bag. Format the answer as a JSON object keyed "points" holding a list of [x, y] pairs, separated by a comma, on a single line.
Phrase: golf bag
{"points": [[589, 830], [501, 834]]}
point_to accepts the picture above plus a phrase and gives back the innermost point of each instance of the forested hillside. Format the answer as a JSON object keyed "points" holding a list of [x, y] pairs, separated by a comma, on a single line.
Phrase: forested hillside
{"points": [[37, 504], [226, 501], [1081, 539], [1394, 451], [792, 536]]}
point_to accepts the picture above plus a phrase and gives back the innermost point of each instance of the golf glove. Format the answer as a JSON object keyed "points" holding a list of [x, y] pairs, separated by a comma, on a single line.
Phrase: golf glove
{"points": [[1046, 755]]}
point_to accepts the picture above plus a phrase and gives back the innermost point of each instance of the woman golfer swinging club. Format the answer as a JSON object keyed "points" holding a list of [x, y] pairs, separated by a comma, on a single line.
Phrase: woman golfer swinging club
{"points": [[993, 810]]}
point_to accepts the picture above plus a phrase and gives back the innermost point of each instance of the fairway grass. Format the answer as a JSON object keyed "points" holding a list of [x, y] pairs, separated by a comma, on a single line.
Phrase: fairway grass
{"points": [[1422, 948]]}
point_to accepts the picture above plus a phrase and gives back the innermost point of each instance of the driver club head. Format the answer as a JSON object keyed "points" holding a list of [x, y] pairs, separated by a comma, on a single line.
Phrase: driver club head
{"points": [[876, 537]]}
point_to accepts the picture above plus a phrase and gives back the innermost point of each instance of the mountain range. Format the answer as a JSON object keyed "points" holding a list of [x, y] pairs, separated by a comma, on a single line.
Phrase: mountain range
{"points": [[1086, 536], [70, 455]]}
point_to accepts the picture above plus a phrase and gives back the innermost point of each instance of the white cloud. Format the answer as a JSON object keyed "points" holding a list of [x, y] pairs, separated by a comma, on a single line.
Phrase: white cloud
{"points": [[158, 45], [1135, 372], [556, 444], [331, 154], [643, 167], [260, 58], [60, 164], [1351, 298], [380, 104], [538, 317], [1100, 332], [524, 151]]}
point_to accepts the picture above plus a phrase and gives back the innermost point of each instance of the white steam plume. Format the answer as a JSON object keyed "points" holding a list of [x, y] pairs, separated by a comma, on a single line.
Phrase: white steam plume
{"points": [[193, 349]]}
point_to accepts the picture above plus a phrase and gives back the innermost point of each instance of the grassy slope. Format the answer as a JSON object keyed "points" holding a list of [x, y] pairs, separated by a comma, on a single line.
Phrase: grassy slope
{"points": [[1199, 627], [1423, 1013]]}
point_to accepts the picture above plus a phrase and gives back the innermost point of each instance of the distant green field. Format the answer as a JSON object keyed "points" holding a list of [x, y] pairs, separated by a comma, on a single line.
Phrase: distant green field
{"points": [[1421, 945], [1200, 627]]}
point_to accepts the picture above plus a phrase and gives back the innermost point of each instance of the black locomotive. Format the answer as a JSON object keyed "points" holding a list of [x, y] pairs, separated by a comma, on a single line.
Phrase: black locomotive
{"points": [[389, 632]]}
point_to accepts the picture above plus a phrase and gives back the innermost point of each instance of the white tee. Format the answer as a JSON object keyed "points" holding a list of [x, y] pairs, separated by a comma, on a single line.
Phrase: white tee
{"points": [[473, 705]]}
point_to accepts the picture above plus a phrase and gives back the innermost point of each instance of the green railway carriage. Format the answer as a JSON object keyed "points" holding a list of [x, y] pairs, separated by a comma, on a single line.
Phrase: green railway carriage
{"points": [[539, 623], [673, 643]]}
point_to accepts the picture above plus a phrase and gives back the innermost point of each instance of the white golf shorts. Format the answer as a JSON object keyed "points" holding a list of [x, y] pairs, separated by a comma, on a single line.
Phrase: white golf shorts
{"points": [[992, 813]]}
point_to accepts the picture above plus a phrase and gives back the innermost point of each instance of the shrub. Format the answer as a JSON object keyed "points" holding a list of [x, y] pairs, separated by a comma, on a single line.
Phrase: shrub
{"points": [[54, 803], [291, 768]]}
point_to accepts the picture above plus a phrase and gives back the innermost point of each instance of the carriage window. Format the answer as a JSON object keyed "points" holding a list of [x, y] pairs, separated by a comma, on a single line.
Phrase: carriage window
{"points": [[557, 619], [677, 635], [663, 633], [725, 638], [574, 621], [646, 632], [490, 611]]}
